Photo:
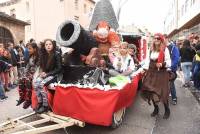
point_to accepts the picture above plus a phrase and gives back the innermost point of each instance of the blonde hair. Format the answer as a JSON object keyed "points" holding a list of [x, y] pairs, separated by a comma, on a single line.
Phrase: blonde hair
{"points": [[156, 47], [124, 44]]}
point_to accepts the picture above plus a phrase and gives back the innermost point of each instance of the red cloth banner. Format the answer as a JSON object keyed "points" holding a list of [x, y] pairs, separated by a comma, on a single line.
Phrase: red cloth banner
{"points": [[93, 105]]}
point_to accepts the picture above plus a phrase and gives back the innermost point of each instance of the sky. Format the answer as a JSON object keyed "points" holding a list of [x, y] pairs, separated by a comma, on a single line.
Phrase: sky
{"points": [[144, 13], [3, 1]]}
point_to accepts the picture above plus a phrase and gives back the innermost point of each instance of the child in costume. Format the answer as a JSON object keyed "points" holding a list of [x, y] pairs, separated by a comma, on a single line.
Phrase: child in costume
{"points": [[123, 63], [50, 67], [25, 82]]}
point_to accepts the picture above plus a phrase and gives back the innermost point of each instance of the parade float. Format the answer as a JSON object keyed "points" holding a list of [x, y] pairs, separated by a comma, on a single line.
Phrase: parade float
{"points": [[83, 95]]}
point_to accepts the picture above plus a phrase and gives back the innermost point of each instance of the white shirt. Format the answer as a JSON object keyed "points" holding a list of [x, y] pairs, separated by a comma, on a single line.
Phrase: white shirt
{"points": [[154, 56], [127, 63]]}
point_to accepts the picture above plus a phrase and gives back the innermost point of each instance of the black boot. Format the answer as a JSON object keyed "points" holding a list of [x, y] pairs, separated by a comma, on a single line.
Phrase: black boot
{"points": [[155, 111], [42, 109], [167, 111], [20, 101], [27, 102], [39, 105], [22, 92]]}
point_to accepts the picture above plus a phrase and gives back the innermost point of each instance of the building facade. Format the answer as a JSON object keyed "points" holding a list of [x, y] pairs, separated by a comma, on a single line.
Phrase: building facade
{"points": [[45, 16], [183, 18], [11, 29]]}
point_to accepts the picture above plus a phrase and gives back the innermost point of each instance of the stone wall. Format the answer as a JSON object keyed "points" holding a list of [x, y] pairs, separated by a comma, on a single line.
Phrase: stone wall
{"points": [[17, 30]]}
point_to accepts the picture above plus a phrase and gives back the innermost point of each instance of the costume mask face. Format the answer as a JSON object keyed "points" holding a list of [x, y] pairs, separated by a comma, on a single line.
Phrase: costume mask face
{"points": [[102, 33]]}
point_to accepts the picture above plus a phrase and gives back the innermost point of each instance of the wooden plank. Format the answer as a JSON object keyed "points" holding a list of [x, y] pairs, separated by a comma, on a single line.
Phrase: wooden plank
{"points": [[56, 120], [68, 119], [14, 120], [62, 122], [24, 124], [38, 122], [45, 129]]}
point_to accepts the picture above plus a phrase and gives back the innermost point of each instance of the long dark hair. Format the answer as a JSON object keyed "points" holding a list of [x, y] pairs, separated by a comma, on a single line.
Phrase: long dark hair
{"points": [[36, 53], [186, 44], [47, 60]]}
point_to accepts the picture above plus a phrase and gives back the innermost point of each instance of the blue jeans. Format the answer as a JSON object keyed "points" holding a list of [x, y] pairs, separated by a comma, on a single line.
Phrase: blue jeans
{"points": [[186, 68], [196, 78], [2, 94], [173, 89]]}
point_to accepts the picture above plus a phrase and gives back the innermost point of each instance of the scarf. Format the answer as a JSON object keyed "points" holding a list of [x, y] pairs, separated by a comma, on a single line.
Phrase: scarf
{"points": [[161, 56]]}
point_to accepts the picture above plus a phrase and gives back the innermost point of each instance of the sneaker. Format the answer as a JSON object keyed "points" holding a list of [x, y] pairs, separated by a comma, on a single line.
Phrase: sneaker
{"points": [[174, 101], [3, 98], [6, 89], [10, 85], [186, 85], [197, 91]]}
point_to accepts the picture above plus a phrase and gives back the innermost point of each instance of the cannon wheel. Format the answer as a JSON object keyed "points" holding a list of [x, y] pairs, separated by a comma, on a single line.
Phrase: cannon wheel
{"points": [[118, 118]]}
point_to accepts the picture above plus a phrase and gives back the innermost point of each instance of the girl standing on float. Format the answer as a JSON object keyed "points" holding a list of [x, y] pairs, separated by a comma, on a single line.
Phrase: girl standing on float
{"points": [[50, 67], [155, 86]]}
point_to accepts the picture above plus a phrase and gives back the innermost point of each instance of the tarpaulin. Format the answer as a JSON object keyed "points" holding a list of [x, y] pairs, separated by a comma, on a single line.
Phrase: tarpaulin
{"points": [[93, 105]]}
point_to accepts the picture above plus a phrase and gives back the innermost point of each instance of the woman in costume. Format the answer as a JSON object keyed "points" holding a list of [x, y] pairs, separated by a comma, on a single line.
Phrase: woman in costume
{"points": [[155, 86]]}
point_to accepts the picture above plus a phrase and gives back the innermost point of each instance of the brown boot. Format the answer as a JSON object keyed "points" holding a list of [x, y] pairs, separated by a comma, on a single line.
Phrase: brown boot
{"points": [[156, 111], [167, 111]]}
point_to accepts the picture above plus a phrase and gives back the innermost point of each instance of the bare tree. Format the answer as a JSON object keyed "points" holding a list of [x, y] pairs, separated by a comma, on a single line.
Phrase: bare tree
{"points": [[119, 8]]}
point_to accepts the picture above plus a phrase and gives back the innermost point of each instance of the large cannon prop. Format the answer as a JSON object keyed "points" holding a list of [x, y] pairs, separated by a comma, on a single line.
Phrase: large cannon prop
{"points": [[71, 34]]}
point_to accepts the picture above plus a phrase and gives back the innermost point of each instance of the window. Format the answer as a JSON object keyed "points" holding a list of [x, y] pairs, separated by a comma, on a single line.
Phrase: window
{"points": [[193, 1], [76, 4], [27, 7], [85, 8], [90, 12], [186, 5], [182, 10], [178, 14], [76, 18], [12, 13], [91, 9]]}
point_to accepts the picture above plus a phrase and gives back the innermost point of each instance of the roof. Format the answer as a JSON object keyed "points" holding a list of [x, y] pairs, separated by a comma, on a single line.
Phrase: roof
{"points": [[92, 1], [7, 17], [134, 32], [103, 11], [8, 2]]}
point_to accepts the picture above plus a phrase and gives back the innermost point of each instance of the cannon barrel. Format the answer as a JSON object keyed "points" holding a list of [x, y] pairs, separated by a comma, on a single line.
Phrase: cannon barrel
{"points": [[71, 34]]}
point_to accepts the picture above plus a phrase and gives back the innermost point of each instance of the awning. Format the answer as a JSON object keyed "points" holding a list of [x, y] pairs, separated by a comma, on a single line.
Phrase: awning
{"points": [[194, 21]]}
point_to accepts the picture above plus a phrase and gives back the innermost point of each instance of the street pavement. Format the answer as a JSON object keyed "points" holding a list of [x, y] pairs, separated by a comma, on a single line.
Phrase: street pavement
{"points": [[184, 119]]}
